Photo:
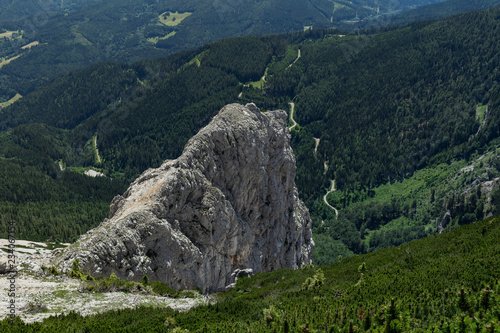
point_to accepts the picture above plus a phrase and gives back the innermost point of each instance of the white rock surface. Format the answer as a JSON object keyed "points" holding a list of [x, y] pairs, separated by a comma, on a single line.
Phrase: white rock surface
{"points": [[61, 294], [92, 173], [228, 202]]}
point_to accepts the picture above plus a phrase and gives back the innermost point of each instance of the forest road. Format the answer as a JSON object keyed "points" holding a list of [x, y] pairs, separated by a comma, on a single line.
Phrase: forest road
{"points": [[326, 201], [96, 150], [298, 57], [292, 105]]}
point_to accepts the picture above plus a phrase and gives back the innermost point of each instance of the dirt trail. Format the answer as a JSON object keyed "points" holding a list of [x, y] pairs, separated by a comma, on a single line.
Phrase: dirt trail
{"points": [[291, 116], [298, 57], [96, 150], [263, 78], [326, 201], [316, 140]]}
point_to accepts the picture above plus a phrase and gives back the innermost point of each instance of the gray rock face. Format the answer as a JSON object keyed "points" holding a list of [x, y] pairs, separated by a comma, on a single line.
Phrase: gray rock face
{"points": [[444, 222], [4, 265], [228, 202]]}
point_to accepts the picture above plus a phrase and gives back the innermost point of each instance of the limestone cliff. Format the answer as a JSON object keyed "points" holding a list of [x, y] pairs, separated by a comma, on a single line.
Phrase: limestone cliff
{"points": [[228, 202]]}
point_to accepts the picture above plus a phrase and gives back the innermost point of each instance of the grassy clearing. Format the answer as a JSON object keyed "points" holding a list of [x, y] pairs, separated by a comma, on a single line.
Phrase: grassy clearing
{"points": [[480, 111], [82, 170], [80, 39], [277, 66], [196, 60], [173, 19], [338, 6], [7, 61], [418, 187], [30, 45], [257, 84], [12, 100], [8, 34], [155, 40], [260, 84]]}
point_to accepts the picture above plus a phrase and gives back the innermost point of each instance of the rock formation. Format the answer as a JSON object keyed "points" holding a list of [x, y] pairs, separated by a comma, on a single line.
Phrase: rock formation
{"points": [[228, 202]]}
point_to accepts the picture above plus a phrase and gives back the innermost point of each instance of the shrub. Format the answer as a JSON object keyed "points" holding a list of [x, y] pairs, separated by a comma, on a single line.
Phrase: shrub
{"points": [[315, 281]]}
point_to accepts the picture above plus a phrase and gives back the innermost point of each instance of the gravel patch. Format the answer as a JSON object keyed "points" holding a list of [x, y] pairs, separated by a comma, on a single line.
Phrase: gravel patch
{"points": [[39, 296]]}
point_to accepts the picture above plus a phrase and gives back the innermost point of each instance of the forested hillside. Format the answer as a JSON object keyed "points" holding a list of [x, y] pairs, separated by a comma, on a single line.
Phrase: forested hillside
{"points": [[380, 121], [442, 9], [446, 283], [405, 120], [22, 9], [42, 39]]}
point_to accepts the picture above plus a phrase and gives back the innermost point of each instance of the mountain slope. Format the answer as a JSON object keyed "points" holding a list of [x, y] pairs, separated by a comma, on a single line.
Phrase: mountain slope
{"points": [[447, 283], [22, 9], [128, 31], [379, 107], [442, 9]]}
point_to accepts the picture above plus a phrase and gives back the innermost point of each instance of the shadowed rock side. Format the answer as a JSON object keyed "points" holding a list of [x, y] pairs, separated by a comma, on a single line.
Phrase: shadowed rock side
{"points": [[228, 202]]}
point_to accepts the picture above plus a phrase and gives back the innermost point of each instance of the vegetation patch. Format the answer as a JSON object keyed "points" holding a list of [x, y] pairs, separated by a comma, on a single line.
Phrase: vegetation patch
{"points": [[400, 211], [278, 65], [30, 45], [8, 34], [12, 100], [6, 61], [480, 112], [113, 283], [155, 40], [173, 19], [196, 60], [61, 293]]}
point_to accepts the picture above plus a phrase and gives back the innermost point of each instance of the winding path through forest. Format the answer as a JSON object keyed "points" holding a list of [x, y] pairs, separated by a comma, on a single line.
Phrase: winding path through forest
{"points": [[316, 140], [292, 105], [96, 150], [298, 57], [326, 201]]}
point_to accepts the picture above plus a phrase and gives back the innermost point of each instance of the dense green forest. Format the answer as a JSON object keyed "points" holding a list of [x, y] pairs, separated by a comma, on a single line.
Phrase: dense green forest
{"points": [[445, 283], [21, 9], [78, 33], [45, 202], [400, 111], [442, 9]]}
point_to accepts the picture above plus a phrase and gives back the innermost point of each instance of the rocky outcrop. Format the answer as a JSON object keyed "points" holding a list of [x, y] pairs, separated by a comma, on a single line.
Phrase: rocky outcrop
{"points": [[228, 202], [4, 265], [444, 222]]}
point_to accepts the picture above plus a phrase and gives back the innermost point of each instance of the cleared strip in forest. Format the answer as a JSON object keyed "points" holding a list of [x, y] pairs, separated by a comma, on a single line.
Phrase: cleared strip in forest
{"points": [[7, 61], [96, 150]]}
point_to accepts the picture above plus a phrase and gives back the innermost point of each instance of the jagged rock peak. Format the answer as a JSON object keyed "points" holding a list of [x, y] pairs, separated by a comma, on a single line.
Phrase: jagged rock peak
{"points": [[228, 202]]}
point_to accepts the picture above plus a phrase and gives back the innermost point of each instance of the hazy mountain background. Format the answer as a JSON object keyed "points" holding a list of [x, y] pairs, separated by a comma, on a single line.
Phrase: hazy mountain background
{"points": [[75, 34]]}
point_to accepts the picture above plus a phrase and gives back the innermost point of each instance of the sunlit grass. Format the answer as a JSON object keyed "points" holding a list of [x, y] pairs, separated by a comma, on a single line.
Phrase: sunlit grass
{"points": [[172, 19]]}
